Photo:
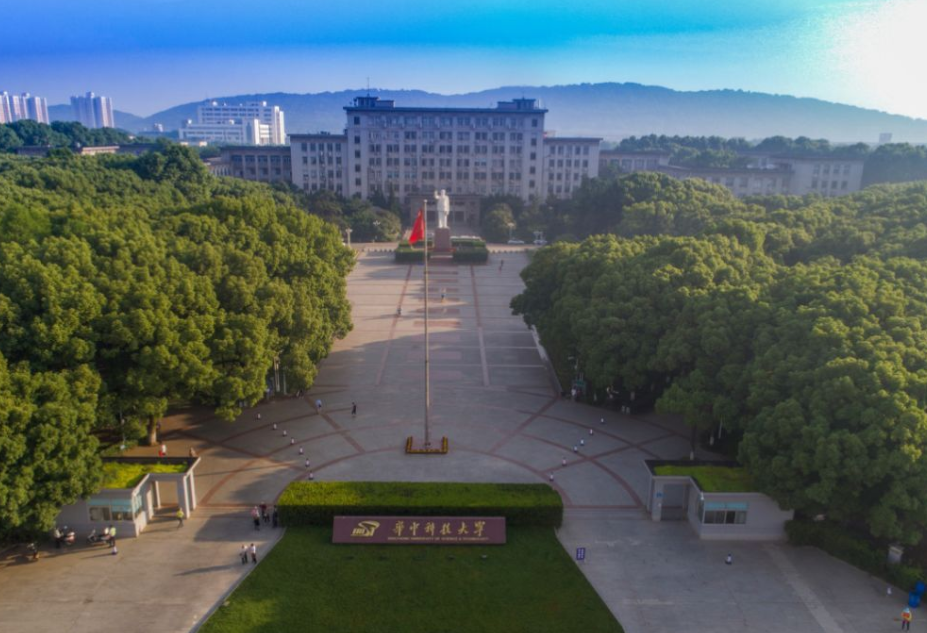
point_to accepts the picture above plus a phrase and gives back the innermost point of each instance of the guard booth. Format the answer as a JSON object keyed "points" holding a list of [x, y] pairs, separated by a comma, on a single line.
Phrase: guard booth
{"points": [[129, 510], [714, 515]]}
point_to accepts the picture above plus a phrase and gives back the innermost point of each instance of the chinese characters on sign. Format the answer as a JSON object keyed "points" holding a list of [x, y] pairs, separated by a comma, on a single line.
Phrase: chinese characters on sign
{"points": [[419, 530]]}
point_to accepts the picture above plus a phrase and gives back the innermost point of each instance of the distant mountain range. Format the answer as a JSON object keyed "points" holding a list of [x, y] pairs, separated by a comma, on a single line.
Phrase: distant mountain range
{"points": [[609, 110]]}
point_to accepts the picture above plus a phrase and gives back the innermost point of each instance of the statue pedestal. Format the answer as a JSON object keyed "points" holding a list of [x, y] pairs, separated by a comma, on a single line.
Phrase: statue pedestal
{"points": [[442, 240]]}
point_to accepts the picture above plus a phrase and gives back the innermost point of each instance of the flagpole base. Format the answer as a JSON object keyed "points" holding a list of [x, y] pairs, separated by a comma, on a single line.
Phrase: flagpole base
{"points": [[411, 449]]}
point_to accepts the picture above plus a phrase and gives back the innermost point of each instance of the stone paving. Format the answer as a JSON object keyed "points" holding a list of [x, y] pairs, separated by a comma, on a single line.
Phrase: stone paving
{"points": [[495, 398]]}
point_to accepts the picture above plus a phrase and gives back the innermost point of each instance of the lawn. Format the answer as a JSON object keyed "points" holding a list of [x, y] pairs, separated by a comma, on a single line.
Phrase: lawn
{"points": [[123, 475], [713, 478], [308, 584]]}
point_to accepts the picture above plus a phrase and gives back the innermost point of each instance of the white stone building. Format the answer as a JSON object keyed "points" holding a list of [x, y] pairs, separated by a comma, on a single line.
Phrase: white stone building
{"points": [[254, 123]]}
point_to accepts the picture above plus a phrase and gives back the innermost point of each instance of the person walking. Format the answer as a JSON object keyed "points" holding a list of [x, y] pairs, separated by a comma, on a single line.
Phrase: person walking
{"points": [[254, 553], [243, 555], [318, 405], [192, 452], [501, 264], [180, 516], [112, 536], [275, 518], [906, 617], [256, 517], [163, 451], [264, 515], [353, 408]]}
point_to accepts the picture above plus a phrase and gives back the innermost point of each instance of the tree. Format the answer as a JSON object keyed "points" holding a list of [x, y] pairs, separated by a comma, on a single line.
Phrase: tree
{"points": [[47, 453], [498, 223]]}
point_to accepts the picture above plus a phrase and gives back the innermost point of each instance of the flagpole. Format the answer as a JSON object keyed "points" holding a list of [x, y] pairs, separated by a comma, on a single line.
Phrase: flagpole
{"points": [[427, 377]]}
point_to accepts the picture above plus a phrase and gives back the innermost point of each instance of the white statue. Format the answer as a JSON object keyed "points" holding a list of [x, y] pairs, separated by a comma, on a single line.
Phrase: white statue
{"points": [[443, 208]]}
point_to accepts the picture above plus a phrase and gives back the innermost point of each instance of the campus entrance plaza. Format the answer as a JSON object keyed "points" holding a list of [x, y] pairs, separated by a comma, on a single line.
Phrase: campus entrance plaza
{"points": [[495, 398]]}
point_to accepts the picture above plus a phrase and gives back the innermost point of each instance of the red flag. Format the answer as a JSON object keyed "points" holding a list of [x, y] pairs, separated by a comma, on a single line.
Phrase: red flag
{"points": [[418, 229]]}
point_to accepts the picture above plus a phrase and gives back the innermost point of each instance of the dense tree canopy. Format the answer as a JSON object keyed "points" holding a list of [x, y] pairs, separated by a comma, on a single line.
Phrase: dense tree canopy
{"points": [[59, 134], [127, 284], [798, 324]]}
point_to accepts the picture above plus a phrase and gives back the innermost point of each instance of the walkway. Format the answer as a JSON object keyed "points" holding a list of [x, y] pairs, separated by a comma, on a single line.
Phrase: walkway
{"points": [[494, 398]]}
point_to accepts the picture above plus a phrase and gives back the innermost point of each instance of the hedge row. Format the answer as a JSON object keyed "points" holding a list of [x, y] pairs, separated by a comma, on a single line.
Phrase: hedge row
{"points": [[471, 255], [837, 542], [317, 503]]}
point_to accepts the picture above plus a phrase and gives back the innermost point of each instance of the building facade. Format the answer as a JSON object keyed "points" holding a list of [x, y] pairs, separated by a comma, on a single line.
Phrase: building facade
{"points": [[260, 164], [93, 111], [320, 162], [630, 162], [415, 151], [567, 162], [25, 106], [254, 123]]}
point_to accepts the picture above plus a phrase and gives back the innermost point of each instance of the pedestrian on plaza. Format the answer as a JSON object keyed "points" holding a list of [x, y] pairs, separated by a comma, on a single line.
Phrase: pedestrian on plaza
{"points": [[573, 394], [253, 554], [243, 555], [729, 560], [318, 405], [501, 264], [163, 451], [399, 311], [112, 536], [192, 452], [179, 518], [256, 517], [307, 464], [264, 515], [906, 617], [353, 408], [275, 518]]}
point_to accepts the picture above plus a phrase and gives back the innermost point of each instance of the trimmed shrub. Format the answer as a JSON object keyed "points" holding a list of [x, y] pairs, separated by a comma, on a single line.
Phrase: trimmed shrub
{"points": [[405, 254], [836, 541], [317, 503], [471, 255]]}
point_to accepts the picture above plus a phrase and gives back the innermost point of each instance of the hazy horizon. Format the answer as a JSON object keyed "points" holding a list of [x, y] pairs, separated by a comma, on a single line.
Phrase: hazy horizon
{"points": [[154, 54]]}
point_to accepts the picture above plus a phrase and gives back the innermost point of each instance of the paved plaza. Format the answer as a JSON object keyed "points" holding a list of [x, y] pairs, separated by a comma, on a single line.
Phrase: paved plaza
{"points": [[495, 397]]}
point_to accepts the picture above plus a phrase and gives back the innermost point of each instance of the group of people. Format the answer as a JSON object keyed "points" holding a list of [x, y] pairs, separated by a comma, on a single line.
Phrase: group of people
{"points": [[245, 551], [261, 514]]}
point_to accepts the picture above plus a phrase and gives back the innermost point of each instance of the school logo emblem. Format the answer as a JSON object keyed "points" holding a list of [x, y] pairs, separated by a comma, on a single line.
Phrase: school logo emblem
{"points": [[365, 528]]}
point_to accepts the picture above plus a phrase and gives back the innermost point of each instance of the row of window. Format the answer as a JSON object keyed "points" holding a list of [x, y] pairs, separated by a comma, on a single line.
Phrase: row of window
{"points": [[576, 150], [569, 163], [393, 148], [444, 121], [238, 158], [826, 169], [728, 513], [498, 163], [833, 184], [102, 509]]}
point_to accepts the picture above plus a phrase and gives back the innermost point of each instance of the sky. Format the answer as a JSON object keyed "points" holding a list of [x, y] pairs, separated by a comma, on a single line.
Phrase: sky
{"points": [[148, 55]]}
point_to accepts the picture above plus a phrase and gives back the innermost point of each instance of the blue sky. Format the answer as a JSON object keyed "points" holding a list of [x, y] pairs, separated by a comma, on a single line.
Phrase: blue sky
{"points": [[151, 54]]}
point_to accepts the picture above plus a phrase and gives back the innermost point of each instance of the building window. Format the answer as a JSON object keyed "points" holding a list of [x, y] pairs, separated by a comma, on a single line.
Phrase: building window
{"points": [[720, 513]]}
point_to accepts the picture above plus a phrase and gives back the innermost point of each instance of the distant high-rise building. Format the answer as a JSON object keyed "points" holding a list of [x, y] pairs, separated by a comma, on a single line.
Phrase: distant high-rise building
{"points": [[885, 137], [24, 106], [93, 111], [253, 123]]}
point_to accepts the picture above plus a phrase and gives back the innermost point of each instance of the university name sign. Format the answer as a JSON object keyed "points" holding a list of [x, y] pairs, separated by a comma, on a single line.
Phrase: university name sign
{"points": [[419, 530]]}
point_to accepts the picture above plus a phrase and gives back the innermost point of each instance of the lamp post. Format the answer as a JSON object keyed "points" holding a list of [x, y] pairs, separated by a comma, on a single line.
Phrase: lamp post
{"points": [[122, 425], [376, 229], [348, 232]]}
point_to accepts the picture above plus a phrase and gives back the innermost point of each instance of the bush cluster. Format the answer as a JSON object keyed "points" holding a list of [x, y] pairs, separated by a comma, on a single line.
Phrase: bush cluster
{"points": [[405, 254], [836, 541], [317, 503], [475, 255]]}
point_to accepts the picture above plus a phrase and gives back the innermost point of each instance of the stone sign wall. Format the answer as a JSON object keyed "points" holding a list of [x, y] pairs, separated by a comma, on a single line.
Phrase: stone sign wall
{"points": [[413, 530]]}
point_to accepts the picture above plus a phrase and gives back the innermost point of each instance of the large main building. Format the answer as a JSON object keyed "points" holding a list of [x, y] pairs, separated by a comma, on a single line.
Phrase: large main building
{"points": [[411, 152]]}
